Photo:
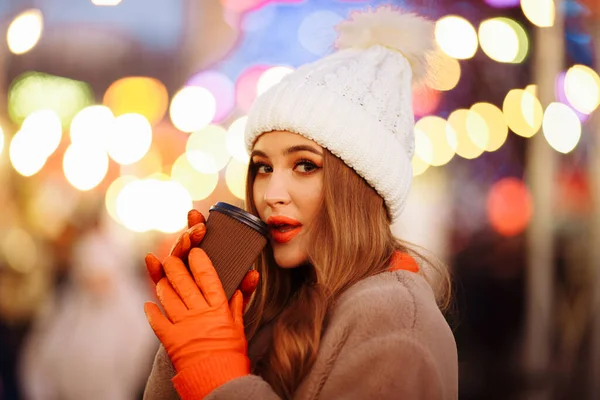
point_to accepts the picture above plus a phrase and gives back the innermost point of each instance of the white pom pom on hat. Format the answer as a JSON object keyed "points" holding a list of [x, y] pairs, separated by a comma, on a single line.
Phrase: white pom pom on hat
{"points": [[357, 102]]}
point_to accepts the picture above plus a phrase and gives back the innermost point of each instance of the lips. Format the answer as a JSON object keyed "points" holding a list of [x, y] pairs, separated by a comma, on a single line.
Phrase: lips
{"points": [[283, 229]]}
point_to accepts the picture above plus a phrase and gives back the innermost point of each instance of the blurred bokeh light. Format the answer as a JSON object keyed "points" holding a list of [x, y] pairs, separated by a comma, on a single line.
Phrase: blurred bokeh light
{"points": [[26, 157], [509, 206], [192, 108], [246, 86], [539, 12], [271, 77], [112, 193], [235, 178], [582, 88], [46, 127], [199, 185], [206, 149], [503, 40], [222, 89], [465, 146], [456, 37], [444, 71], [25, 31], [439, 135], [235, 140], [523, 112], [33, 91], [85, 166], [93, 126], [1, 140], [106, 2], [130, 138], [561, 127], [495, 125], [139, 95]]}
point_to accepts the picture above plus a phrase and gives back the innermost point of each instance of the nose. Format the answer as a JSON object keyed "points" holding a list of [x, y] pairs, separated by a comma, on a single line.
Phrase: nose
{"points": [[277, 193]]}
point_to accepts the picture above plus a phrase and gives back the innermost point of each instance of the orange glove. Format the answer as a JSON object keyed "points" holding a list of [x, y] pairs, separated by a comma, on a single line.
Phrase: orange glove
{"points": [[203, 335], [189, 239]]}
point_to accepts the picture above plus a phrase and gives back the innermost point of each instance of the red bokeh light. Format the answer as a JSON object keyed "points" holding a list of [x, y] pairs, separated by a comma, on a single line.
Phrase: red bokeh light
{"points": [[425, 100], [509, 206]]}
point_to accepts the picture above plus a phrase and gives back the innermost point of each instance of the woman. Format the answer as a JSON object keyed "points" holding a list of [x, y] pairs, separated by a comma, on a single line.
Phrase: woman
{"points": [[341, 310]]}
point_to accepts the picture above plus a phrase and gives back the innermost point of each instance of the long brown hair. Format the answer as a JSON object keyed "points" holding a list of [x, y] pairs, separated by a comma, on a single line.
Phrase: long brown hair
{"points": [[350, 240]]}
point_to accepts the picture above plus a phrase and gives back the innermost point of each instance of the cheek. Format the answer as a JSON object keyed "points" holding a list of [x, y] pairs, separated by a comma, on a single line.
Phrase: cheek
{"points": [[310, 201]]}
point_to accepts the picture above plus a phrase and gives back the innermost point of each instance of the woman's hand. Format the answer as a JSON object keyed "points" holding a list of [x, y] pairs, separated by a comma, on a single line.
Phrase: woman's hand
{"points": [[202, 333], [189, 239]]}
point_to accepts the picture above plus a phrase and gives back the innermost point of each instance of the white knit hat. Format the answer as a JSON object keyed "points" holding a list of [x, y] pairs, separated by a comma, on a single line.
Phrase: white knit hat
{"points": [[357, 102]]}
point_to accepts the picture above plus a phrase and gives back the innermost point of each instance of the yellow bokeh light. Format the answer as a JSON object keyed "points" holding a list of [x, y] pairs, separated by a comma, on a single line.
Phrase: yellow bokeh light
{"points": [[423, 146], [582, 88], [92, 126], [110, 198], [495, 126], [27, 159], [1, 140], [561, 127], [135, 204], [152, 204], [19, 250], [33, 91], [235, 140], [444, 71], [171, 210], [139, 95], [456, 37], [25, 31], [46, 127], [192, 108], [130, 138], [419, 166], [85, 166], [436, 130], [532, 89], [235, 178], [199, 185], [523, 112], [106, 2], [539, 12], [206, 149], [477, 129], [271, 77], [465, 147], [503, 40]]}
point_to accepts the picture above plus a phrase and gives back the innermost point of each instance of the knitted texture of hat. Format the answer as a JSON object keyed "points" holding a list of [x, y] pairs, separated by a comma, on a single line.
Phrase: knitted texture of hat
{"points": [[357, 102]]}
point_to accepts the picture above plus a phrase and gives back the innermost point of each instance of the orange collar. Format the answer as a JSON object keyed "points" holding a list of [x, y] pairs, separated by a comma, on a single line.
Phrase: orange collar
{"points": [[403, 261]]}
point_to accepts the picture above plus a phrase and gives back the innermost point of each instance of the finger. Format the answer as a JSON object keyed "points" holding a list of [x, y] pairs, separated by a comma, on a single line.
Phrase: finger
{"points": [[182, 246], [195, 217], [156, 319], [170, 300], [183, 283], [250, 282], [197, 233], [154, 267], [206, 278], [237, 309]]}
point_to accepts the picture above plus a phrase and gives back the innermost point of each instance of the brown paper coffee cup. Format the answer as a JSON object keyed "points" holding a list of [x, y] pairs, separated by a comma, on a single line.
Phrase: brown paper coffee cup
{"points": [[233, 241]]}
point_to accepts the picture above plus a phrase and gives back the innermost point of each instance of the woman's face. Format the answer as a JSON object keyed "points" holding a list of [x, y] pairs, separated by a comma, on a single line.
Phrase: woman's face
{"points": [[288, 189]]}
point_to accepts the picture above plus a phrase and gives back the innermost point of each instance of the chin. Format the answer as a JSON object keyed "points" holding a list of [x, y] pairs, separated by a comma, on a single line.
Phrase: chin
{"points": [[288, 258]]}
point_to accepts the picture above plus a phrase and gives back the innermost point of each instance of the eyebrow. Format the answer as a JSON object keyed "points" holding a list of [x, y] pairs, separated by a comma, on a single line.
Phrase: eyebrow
{"points": [[290, 150]]}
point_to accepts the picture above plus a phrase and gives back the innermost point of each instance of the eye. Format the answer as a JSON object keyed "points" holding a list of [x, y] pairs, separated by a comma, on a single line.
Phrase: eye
{"points": [[306, 166], [262, 168]]}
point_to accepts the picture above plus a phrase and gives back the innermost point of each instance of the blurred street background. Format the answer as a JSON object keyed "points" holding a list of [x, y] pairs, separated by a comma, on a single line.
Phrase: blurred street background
{"points": [[118, 116]]}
